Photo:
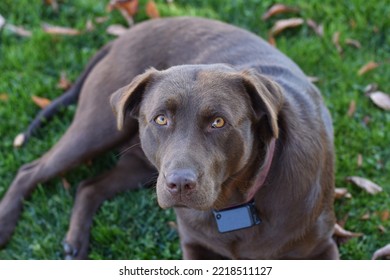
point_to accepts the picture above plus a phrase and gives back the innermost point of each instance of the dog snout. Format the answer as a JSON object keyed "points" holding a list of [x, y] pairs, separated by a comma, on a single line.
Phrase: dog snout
{"points": [[181, 181]]}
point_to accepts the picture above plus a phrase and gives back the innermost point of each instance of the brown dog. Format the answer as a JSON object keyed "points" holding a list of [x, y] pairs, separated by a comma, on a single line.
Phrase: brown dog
{"points": [[241, 139]]}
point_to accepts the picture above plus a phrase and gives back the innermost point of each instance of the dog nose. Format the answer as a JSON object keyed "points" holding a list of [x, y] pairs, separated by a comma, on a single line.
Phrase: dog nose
{"points": [[183, 180]]}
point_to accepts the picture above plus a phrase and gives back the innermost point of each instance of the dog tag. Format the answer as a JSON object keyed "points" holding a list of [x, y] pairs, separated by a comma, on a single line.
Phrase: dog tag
{"points": [[235, 218]]}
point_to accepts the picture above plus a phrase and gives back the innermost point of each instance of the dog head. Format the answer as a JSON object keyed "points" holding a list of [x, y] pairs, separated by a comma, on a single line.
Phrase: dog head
{"points": [[201, 126]]}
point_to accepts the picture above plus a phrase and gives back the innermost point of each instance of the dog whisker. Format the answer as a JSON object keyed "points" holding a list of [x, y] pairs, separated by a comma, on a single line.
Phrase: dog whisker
{"points": [[127, 150]]}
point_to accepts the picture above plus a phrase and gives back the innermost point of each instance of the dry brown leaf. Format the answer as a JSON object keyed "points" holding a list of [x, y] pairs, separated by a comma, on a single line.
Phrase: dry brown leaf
{"points": [[277, 9], [367, 67], [89, 26], [385, 215], [272, 41], [128, 8], [4, 97], [53, 4], [370, 88], [341, 235], [19, 140], [64, 83], [59, 30], [365, 217], [382, 229], [116, 29], [313, 79], [41, 102], [359, 160], [283, 24], [318, 28], [352, 108], [341, 192], [101, 19], [2, 21], [353, 43], [18, 30], [336, 42], [172, 225], [152, 10], [381, 99], [383, 252], [66, 184], [365, 184]]}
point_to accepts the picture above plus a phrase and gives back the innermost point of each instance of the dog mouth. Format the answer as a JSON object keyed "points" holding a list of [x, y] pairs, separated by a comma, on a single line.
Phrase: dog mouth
{"points": [[196, 196]]}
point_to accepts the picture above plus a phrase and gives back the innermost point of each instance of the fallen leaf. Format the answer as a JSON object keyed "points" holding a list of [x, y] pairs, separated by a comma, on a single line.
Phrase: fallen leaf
{"points": [[41, 102], [128, 8], [382, 229], [66, 184], [272, 41], [172, 225], [341, 192], [89, 26], [277, 9], [283, 24], [101, 19], [380, 99], [367, 67], [116, 29], [370, 88], [353, 43], [359, 160], [365, 217], [336, 42], [19, 140], [352, 108], [365, 184], [53, 4], [318, 28], [18, 30], [4, 97], [385, 215], [59, 30], [64, 83], [341, 235], [383, 252], [313, 79], [151, 10], [2, 21]]}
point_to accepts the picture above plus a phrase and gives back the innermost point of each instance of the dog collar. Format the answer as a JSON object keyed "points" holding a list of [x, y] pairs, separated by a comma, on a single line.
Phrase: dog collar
{"points": [[245, 215]]}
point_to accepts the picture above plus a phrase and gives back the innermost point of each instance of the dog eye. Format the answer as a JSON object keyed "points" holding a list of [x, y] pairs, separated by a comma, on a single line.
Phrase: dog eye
{"points": [[218, 123], [161, 120]]}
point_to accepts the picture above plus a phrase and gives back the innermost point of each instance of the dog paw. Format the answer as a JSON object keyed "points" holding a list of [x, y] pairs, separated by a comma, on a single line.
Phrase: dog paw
{"points": [[70, 252]]}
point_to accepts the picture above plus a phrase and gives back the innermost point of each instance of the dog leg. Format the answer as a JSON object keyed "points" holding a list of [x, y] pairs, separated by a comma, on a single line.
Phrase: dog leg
{"points": [[330, 252], [192, 251], [131, 172], [82, 141]]}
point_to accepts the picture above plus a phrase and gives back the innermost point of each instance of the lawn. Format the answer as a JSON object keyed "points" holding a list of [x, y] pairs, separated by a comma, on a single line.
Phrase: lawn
{"points": [[132, 226]]}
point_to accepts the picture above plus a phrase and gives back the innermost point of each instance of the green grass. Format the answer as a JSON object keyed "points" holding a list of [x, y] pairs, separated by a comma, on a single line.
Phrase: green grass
{"points": [[132, 226]]}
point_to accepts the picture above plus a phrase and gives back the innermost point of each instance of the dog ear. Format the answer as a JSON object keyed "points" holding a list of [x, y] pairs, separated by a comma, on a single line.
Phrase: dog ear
{"points": [[266, 97], [128, 98]]}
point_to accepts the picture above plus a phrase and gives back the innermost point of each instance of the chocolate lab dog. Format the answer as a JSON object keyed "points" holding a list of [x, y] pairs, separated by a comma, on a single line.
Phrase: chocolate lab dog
{"points": [[241, 139]]}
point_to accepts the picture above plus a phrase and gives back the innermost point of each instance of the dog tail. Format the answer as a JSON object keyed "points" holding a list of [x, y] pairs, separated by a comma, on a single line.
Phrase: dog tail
{"points": [[67, 98]]}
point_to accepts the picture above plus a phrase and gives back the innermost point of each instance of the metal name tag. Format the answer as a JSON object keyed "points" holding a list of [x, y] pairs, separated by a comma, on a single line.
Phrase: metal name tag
{"points": [[235, 218]]}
